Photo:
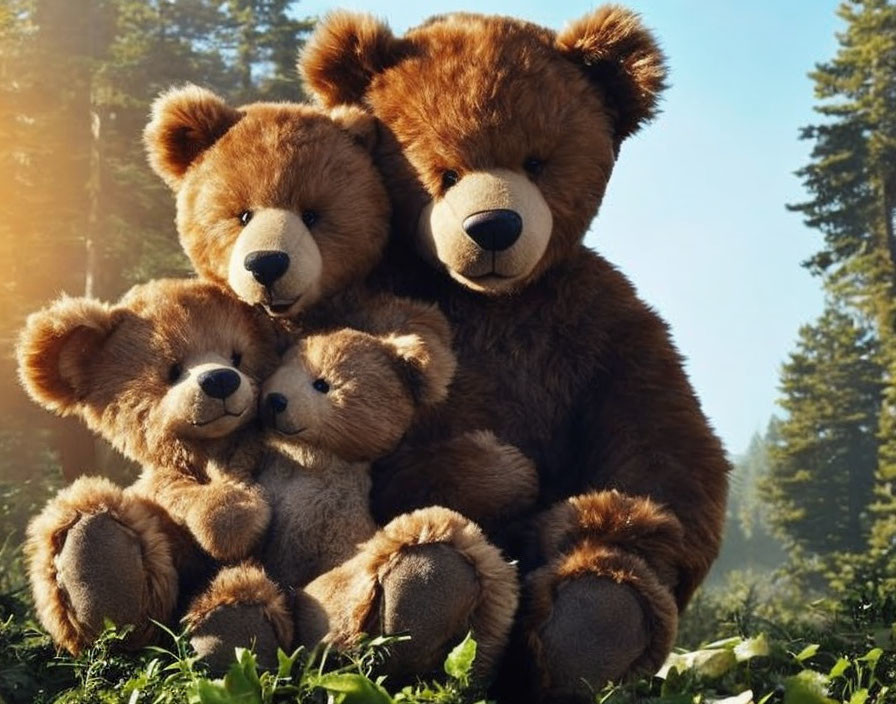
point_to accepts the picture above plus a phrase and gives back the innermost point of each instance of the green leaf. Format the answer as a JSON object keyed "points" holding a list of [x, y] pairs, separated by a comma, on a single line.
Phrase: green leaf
{"points": [[731, 642], [351, 688], [807, 687], [859, 697], [872, 655], [241, 683], [841, 666], [208, 692], [704, 662], [285, 663], [459, 663], [807, 652], [752, 648]]}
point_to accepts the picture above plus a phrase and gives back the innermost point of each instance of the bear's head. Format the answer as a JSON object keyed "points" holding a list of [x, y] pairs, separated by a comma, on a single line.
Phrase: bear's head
{"points": [[173, 365], [279, 201], [352, 394], [498, 137]]}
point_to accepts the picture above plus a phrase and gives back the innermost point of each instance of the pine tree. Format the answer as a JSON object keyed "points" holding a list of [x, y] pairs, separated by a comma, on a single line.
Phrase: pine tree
{"points": [[852, 180], [824, 453]]}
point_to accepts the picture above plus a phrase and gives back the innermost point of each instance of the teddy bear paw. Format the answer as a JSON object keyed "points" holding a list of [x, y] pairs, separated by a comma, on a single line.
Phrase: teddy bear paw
{"points": [[231, 523], [430, 594], [229, 627], [597, 631], [100, 568]]}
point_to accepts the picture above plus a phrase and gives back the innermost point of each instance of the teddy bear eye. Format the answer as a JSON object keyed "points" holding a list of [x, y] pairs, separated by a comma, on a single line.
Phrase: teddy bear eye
{"points": [[533, 166], [321, 385], [309, 217], [449, 178], [236, 358], [245, 217], [175, 371]]}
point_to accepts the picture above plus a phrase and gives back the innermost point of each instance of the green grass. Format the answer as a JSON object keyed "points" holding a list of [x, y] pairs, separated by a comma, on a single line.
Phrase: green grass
{"points": [[844, 656]]}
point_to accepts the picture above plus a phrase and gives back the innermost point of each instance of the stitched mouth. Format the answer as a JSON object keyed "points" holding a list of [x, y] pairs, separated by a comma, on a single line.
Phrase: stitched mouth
{"points": [[288, 433], [225, 414], [490, 275], [280, 306]]}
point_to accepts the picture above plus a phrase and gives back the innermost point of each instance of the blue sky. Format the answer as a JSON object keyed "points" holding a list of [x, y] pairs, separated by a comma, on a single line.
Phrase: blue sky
{"points": [[695, 214]]}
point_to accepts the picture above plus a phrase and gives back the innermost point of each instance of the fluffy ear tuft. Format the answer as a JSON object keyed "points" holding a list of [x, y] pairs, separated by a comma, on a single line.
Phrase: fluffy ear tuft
{"points": [[427, 365], [618, 54], [184, 123], [344, 54], [56, 348], [360, 125]]}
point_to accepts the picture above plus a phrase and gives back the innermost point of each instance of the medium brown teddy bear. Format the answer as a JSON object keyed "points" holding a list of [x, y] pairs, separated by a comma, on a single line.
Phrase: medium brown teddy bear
{"points": [[170, 376], [282, 203], [338, 400], [497, 140]]}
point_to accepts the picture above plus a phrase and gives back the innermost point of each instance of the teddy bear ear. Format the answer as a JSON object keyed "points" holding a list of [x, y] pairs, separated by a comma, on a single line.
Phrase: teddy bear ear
{"points": [[184, 122], [56, 348], [619, 55], [344, 54], [360, 125], [427, 366]]}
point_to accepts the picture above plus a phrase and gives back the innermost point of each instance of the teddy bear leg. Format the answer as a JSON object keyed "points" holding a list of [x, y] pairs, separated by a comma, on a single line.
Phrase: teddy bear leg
{"points": [[431, 574], [241, 607], [603, 607], [94, 553]]}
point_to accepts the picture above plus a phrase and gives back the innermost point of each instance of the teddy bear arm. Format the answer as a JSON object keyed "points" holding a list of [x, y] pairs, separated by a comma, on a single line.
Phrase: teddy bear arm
{"points": [[473, 473], [225, 517]]}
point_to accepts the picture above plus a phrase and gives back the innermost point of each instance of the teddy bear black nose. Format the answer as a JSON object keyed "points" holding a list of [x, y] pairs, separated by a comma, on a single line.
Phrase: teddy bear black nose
{"points": [[276, 403], [494, 230], [219, 383], [266, 266]]}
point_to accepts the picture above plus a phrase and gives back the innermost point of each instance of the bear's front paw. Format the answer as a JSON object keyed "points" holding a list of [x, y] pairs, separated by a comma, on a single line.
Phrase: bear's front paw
{"points": [[230, 522], [597, 631]]}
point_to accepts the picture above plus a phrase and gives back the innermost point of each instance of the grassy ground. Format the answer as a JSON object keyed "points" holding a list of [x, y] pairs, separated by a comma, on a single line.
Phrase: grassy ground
{"points": [[838, 655]]}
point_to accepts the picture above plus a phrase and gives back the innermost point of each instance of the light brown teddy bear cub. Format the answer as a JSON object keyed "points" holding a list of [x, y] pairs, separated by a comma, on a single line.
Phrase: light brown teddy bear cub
{"points": [[169, 375], [339, 400]]}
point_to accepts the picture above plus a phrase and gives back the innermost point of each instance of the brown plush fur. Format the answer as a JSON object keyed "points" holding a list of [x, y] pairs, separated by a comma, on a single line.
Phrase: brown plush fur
{"points": [[348, 595], [245, 584], [45, 540], [558, 358], [303, 174], [131, 371], [333, 388]]}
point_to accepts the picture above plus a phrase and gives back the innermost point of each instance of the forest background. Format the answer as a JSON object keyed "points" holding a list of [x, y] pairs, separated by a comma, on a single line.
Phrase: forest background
{"points": [[812, 515]]}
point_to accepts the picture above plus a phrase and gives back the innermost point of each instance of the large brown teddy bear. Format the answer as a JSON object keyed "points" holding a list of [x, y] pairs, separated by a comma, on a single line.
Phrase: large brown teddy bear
{"points": [[497, 139]]}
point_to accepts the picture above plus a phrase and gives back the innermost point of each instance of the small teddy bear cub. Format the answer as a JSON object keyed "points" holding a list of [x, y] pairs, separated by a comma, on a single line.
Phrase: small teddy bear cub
{"points": [[169, 375]]}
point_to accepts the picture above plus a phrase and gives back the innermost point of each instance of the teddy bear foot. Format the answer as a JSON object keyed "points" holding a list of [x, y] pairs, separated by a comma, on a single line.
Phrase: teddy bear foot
{"points": [[100, 568], [97, 553], [427, 576], [238, 626], [241, 608], [597, 630]]}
